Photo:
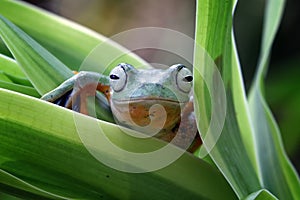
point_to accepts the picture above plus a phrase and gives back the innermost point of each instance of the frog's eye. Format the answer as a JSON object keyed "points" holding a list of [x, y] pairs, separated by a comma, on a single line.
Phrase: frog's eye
{"points": [[184, 79], [118, 78]]}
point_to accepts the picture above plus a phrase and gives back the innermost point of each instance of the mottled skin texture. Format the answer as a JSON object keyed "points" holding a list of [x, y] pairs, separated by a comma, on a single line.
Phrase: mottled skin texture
{"points": [[132, 93]]}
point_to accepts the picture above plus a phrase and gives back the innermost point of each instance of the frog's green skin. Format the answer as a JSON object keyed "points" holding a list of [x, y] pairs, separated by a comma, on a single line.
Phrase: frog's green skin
{"points": [[131, 94]]}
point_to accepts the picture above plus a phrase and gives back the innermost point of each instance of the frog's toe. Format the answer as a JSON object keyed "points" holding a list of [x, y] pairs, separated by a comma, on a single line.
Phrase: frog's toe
{"points": [[48, 97]]}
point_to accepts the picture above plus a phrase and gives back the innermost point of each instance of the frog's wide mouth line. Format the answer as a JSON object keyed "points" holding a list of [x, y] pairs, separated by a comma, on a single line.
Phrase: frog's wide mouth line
{"points": [[149, 100]]}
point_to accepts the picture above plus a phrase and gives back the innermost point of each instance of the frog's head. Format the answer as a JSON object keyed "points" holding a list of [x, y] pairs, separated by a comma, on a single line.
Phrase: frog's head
{"points": [[134, 92]]}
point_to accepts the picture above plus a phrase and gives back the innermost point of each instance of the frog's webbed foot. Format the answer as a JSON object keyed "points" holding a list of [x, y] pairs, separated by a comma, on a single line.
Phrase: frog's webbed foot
{"points": [[73, 93]]}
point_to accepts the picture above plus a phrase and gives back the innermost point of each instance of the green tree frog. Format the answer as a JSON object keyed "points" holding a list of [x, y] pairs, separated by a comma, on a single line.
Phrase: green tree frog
{"points": [[154, 99]]}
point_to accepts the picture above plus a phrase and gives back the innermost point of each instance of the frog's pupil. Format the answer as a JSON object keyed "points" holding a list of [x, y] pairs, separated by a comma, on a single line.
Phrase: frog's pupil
{"points": [[188, 79], [113, 76]]}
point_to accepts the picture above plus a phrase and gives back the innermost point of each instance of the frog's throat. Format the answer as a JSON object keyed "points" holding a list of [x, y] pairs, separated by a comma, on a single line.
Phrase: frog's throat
{"points": [[141, 112]]}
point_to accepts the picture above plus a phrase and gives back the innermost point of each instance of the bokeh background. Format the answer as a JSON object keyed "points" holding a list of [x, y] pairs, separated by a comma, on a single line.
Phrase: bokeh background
{"points": [[110, 17]]}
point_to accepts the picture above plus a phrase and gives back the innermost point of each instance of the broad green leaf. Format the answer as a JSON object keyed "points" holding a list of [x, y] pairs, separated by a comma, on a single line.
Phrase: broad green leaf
{"points": [[276, 172], [234, 152], [40, 145], [68, 41], [283, 97], [43, 69]]}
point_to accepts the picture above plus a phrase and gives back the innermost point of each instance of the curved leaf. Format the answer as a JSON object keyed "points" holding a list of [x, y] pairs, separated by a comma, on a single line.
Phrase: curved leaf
{"points": [[40, 145], [276, 172], [234, 152]]}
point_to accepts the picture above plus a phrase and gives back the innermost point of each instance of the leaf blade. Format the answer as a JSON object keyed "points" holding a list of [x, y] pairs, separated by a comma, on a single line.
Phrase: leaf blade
{"points": [[42, 68], [233, 152], [62, 157], [276, 172], [66, 44]]}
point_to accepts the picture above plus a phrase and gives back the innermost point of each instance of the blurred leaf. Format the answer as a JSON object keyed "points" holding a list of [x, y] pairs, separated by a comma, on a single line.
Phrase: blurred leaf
{"points": [[276, 172], [53, 159], [284, 99]]}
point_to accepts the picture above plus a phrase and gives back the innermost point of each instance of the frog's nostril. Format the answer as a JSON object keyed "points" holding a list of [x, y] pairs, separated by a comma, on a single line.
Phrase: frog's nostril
{"points": [[157, 85]]}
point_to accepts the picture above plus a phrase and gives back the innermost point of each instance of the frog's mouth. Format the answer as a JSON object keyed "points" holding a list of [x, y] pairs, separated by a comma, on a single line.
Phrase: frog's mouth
{"points": [[142, 112], [147, 100]]}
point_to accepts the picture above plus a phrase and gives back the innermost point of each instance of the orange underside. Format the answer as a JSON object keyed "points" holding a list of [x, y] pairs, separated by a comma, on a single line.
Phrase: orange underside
{"points": [[143, 112]]}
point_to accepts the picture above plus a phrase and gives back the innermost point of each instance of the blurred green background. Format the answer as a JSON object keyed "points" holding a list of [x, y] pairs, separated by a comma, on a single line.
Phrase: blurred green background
{"points": [[110, 17]]}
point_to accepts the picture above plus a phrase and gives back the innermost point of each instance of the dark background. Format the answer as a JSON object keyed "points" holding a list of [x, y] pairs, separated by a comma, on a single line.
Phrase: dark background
{"points": [[110, 17]]}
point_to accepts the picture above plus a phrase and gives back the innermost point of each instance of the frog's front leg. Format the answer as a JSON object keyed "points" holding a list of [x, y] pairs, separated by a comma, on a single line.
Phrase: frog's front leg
{"points": [[77, 89], [60, 91], [187, 131], [189, 125]]}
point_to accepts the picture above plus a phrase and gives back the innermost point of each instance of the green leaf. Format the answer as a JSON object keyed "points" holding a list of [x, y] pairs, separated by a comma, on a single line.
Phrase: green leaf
{"points": [[63, 38], [276, 172], [283, 97], [17, 187], [19, 88], [261, 195], [18, 80], [234, 151], [4, 78], [40, 146], [10, 66], [4, 50], [12, 77], [43, 69]]}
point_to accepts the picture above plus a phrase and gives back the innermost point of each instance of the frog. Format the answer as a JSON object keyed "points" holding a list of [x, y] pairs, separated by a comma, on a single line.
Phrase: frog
{"points": [[152, 101]]}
